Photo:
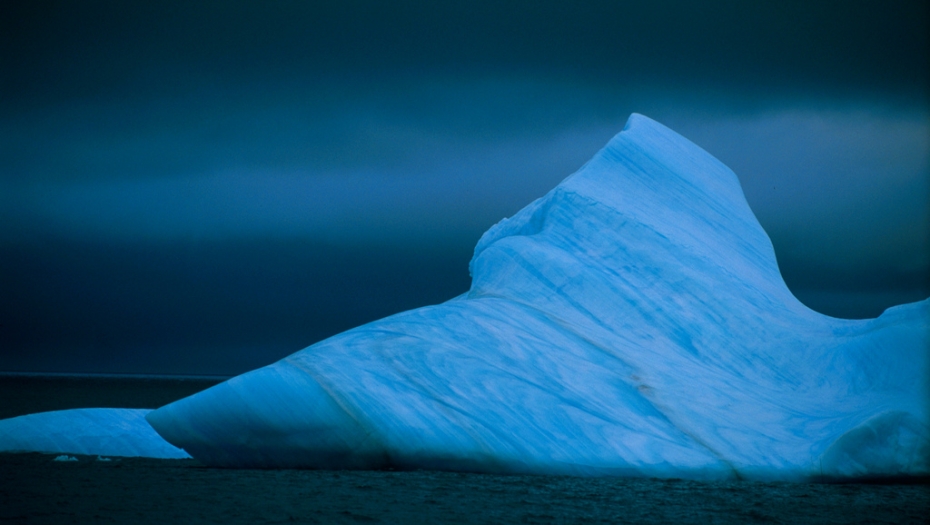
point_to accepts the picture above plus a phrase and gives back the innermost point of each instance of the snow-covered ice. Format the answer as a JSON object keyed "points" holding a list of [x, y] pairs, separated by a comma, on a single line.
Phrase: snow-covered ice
{"points": [[89, 431], [633, 321]]}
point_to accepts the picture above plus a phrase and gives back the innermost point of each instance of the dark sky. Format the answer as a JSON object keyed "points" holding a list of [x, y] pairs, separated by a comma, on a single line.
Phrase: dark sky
{"points": [[206, 187]]}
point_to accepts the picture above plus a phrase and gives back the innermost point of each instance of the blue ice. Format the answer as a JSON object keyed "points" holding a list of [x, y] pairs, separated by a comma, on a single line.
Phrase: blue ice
{"points": [[89, 431]]}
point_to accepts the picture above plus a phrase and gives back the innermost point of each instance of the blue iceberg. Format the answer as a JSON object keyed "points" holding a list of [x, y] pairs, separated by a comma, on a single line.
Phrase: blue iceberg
{"points": [[631, 322]]}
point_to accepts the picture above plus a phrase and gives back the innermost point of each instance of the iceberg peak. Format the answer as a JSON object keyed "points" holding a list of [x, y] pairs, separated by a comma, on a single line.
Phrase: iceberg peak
{"points": [[632, 321], [649, 198]]}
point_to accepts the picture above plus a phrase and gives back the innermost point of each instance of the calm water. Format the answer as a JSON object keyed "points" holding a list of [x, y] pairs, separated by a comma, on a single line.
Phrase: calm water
{"points": [[36, 489]]}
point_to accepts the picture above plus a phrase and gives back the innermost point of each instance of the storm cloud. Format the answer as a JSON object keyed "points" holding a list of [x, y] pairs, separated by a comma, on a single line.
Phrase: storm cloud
{"points": [[183, 181]]}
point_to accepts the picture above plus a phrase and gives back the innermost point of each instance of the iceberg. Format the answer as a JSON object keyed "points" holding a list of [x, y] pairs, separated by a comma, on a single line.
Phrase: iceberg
{"points": [[631, 322], [89, 431]]}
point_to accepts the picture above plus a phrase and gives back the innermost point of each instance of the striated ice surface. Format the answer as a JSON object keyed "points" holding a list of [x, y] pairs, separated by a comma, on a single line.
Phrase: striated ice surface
{"points": [[90, 431]]}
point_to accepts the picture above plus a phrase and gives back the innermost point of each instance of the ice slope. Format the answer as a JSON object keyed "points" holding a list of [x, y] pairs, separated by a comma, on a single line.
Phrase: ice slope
{"points": [[91, 431], [632, 321]]}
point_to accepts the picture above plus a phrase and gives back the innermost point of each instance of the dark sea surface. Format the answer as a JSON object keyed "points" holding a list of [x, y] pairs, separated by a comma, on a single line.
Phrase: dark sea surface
{"points": [[34, 488]]}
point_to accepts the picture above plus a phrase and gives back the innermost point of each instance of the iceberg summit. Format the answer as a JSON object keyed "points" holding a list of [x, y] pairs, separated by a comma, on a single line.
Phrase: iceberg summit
{"points": [[631, 322]]}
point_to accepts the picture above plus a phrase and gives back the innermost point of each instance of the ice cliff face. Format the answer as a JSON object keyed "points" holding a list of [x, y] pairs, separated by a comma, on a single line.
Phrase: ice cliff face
{"points": [[632, 321]]}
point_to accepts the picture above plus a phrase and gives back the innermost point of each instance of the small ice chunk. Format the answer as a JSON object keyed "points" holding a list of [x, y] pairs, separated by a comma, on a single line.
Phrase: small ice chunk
{"points": [[86, 431]]}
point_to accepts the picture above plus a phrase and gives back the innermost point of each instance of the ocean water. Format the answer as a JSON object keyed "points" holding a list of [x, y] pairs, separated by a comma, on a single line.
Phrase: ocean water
{"points": [[34, 488]]}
